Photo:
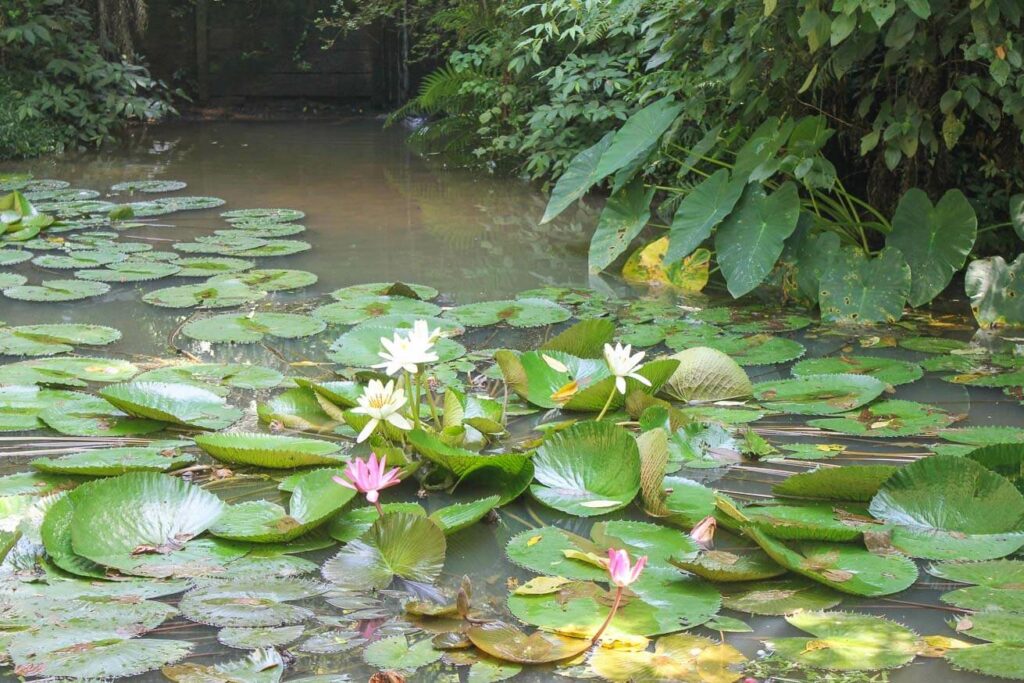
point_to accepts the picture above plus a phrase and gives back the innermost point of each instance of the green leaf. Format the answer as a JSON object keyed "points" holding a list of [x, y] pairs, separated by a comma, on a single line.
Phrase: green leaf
{"points": [[396, 653], [624, 216], [517, 313], [224, 294], [1002, 660], [1006, 459], [68, 371], [889, 419], [458, 516], [637, 134], [846, 641], [251, 328], [90, 653], [57, 290], [182, 404], [703, 208], [853, 483], [1016, 215], [119, 518], [861, 290], [996, 290], [245, 638], [509, 644], [249, 602], [360, 347], [585, 339], [889, 370], [269, 450], [354, 309], [47, 340], [819, 394], [706, 374], [352, 523], [398, 544], [260, 666], [107, 462], [589, 469], [750, 240], [508, 473], [934, 240], [678, 657], [777, 598], [579, 177]]}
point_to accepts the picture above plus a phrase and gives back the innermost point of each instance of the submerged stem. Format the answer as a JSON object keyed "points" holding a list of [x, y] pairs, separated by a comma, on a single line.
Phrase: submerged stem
{"points": [[606, 404]]}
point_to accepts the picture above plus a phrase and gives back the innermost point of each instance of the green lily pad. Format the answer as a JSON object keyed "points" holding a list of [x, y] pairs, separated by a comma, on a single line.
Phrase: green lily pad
{"points": [[296, 409], [984, 436], [506, 474], [275, 248], [758, 349], [224, 294], [55, 533], [57, 290], [812, 522], [315, 498], [1002, 660], [247, 329], [949, 493], [862, 290], [352, 523], [11, 280], [231, 243], [889, 370], [87, 415], [260, 666], [249, 602], [845, 567], [932, 344], [210, 266], [818, 394], [589, 469], [275, 451], [399, 544], [131, 270], [777, 598], [706, 374], [458, 516], [356, 309], [138, 514], [245, 638], [109, 462], [726, 566], [397, 653], [182, 404], [68, 372], [10, 257], [858, 483], [585, 339], [1006, 459], [996, 627], [148, 186], [517, 313], [360, 347], [78, 259], [889, 419], [90, 653], [215, 376], [991, 574], [275, 215], [271, 279], [383, 289], [846, 641]]}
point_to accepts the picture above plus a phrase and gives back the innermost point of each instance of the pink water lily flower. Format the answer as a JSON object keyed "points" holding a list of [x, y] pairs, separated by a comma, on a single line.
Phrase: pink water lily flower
{"points": [[368, 477], [621, 574], [619, 569]]}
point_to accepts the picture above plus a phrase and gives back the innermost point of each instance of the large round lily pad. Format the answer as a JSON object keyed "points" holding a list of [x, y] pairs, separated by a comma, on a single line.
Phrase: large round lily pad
{"points": [[509, 644], [219, 295], [706, 374], [360, 347], [249, 602], [269, 450], [271, 279], [775, 598], [356, 309], [678, 657], [589, 469], [889, 419], [68, 371], [819, 394], [251, 328], [109, 462], [57, 290], [47, 340], [517, 313], [889, 370], [141, 513], [846, 641]]}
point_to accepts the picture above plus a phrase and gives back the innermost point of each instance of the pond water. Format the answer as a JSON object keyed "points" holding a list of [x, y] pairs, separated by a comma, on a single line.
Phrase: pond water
{"points": [[376, 212]]}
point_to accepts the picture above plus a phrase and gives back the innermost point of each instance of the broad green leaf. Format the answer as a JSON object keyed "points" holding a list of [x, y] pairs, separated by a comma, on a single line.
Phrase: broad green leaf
{"points": [[996, 290], [182, 404], [269, 450], [637, 134], [706, 374], [750, 240], [703, 208], [856, 289], [577, 179], [624, 216], [934, 240], [847, 641]]}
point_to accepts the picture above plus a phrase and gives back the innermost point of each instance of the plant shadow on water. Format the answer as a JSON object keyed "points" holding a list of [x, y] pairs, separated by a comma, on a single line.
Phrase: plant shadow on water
{"points": [[235, 348]]}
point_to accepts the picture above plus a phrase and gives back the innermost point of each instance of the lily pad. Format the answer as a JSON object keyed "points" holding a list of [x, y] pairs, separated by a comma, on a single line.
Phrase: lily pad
{"points": [[356, 309], [90, 653], [517, 313], [244, 638], [397, 653], [296, 409], [846, 641], [109, 462], [458, 516], [315, 498], [139, 514], [275, 215], [889, 370], [812, 522], [78, 259], [727, 566], [148, 186], [251, 328], [131, 270], [858, 483], [68, 372], [678, 657], [224, 294], [271, 279], [776, 598], [507, 474], [218, 267], [88, 415], [589, 469], [275, 248], [57, 290], [10, 257], [360, 347], [256, 602], [215, 376], [182, 404], [509, 644], [1006, 459], [706, 374], [352, 523], [275, 451], [819, 394], [889, 419], [260, 666], [398, 544], [384, 289], [1002, 660], [757, 349], [844, 567]]}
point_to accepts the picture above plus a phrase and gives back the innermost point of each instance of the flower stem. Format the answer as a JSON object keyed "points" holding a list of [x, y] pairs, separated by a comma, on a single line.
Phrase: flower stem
{"points": [[414, 400], [611, 615], [607, 404], [380, 510]]}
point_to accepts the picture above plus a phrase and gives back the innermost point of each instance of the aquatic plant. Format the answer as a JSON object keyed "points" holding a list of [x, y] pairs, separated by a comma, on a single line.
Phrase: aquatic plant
{"points": [[370, 477]]}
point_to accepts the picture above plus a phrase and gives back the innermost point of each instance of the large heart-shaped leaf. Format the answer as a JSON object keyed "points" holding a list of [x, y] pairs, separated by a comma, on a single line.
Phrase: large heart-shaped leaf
{"points": [[935, 240], [996, 290], [589, 469], [624, 216], [704, 207], [861, 290], [637, 134], [750, 240]]}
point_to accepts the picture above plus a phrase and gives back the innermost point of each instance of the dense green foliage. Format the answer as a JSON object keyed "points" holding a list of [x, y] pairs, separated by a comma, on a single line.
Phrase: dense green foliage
{"points": [[843, 107], [64, 85]]}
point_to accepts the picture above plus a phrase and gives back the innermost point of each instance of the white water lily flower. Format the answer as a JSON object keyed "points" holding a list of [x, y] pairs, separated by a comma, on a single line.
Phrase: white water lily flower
{"points": [[381, 402], [408, 351], [623, 365]]}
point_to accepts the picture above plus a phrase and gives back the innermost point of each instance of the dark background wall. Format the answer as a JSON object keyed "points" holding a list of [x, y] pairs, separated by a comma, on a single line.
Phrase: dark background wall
{"points": [[231, 50]]}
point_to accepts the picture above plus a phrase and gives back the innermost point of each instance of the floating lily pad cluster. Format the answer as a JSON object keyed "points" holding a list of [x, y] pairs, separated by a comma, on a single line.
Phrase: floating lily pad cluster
{"points": [[208, 492]]}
